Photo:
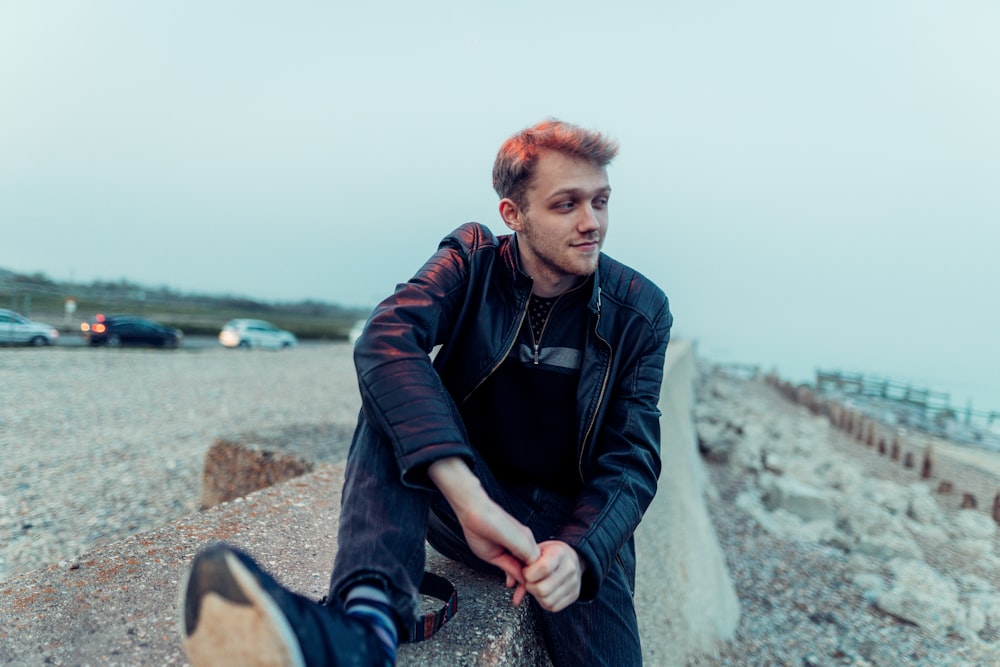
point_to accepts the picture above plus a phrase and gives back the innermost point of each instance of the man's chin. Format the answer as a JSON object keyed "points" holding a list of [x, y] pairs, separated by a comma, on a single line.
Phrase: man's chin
{"points": [[588, 269]]}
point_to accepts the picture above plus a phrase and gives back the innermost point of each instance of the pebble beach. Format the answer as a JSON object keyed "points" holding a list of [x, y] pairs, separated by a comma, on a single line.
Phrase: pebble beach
{"points": [[840, 555]]}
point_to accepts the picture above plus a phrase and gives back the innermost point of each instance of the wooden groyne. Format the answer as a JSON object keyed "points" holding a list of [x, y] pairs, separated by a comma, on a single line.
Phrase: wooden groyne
{"points": [[974, 489], [935, 405]]}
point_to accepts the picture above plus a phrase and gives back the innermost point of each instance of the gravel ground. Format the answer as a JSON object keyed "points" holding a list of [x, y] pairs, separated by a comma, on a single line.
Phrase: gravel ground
{"points": [[98, 444]]}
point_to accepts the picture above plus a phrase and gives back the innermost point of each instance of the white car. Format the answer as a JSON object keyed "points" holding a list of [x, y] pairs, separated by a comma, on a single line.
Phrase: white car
{"points": [[255, 333], [16, 329]]}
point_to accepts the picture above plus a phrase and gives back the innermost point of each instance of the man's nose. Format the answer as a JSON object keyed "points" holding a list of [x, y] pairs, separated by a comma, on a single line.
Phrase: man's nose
{"points": [[588, 219]]}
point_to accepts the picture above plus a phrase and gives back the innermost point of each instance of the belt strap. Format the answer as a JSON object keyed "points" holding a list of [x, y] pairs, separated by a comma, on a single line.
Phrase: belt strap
{"points": [[436, 587]]}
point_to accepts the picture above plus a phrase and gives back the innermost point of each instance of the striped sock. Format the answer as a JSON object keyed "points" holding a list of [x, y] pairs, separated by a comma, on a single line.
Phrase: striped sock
{"points": [[371, 605]]}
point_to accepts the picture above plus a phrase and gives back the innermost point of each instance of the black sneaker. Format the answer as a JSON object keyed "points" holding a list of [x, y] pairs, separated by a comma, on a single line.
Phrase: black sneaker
{"points": [[234, 613]]}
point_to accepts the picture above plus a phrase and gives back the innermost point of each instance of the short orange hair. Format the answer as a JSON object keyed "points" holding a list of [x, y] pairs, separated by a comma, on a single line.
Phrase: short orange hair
{"points": [[514, 168]]}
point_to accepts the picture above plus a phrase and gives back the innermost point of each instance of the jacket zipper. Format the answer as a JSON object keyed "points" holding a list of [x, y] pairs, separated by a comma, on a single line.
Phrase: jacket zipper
{"points": [[604, 387], [503, 357], [545, 325]]}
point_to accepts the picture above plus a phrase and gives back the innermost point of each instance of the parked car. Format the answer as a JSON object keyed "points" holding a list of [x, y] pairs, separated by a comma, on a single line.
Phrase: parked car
{"points": [[255, 333], [16, 329], [118, 330]]}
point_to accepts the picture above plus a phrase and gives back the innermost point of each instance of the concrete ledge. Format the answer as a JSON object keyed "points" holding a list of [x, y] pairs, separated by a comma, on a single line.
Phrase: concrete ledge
{"points": [[118, 605]]}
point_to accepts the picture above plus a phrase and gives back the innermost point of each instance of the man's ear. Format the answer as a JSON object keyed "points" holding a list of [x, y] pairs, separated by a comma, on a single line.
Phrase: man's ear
{"points": [[511, 214]]}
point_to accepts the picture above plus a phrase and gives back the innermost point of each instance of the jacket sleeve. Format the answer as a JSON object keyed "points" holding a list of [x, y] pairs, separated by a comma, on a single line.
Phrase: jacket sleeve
{"points": [[401, 393], [621, 475]]}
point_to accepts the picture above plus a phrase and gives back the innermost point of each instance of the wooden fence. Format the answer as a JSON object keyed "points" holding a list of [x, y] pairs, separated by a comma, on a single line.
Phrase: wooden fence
{"points": [[929, 403]]}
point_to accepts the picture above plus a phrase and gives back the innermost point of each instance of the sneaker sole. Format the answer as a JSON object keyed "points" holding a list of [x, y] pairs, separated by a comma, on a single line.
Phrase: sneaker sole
{"points": [[235, 622]]}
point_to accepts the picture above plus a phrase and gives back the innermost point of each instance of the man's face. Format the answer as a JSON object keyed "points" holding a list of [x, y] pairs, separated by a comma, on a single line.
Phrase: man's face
{"points": [[562, 226]]}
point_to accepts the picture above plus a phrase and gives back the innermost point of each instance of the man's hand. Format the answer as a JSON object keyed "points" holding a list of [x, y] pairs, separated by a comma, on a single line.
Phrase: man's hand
{"points": [[491, 533], [554, 579]]}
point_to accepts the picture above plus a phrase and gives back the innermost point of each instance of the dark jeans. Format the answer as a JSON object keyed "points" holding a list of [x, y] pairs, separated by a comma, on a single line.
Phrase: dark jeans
{"points": [[383, 525]]}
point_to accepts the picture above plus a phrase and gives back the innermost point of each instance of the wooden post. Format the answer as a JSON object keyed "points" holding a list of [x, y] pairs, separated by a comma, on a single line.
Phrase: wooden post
{"points": [[946, 487], [996, 508], [927, 470], [969, 501], [881, 446], [894, 451], [835, 414], [908, 460]]}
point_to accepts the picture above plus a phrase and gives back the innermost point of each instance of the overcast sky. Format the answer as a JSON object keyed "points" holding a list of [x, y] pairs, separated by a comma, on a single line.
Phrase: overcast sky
{"points": [[812, 183]]}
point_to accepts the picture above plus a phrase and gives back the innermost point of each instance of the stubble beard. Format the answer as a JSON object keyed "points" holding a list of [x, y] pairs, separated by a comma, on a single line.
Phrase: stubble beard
{"points": [[557, 265]]}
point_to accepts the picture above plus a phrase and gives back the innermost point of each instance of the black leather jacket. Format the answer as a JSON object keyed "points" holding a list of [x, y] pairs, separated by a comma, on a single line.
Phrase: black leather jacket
{"points": [[470, 298]]}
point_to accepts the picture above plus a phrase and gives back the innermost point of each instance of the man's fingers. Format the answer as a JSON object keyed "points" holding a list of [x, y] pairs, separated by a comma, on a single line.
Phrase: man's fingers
{"points": [[554, 579], [554, 595], [511, 567], [519, 594], [538, 570], [525, 548], [513, 576]]}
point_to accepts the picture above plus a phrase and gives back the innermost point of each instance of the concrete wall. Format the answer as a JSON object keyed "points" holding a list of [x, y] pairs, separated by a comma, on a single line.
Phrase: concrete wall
{"points": [[684, 596]]}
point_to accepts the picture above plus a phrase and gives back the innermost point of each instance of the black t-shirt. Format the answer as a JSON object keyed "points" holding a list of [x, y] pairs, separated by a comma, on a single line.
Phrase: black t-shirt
{"points": [[523, 418]]}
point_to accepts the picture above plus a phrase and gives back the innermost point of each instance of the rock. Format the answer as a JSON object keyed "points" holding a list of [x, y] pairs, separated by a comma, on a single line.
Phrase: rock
{"points": [[970, 583], [804, 501], [982, 607], [975, 615], [771, 463], [870, 529], [871, 584], [888, 495], [919, 595], [922, 507], [844, 478], [974, 549], [888, 546], [930, 531], [717, 439], [749, 454], [974, 525]]}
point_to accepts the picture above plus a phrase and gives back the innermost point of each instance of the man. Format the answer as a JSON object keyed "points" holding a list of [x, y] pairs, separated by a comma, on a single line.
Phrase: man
{"points": [[528, 446]]}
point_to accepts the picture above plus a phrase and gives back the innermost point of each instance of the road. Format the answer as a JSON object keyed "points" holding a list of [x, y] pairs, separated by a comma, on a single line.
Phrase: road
{"points": [[190, 342]]}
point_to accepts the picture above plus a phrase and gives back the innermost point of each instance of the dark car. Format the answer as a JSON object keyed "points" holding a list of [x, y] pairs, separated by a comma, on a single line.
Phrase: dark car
{"points": [[117, 330]]}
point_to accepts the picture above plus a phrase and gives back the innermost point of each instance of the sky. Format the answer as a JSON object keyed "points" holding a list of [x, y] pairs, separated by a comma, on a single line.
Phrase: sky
{"points": [[813, 184]]}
